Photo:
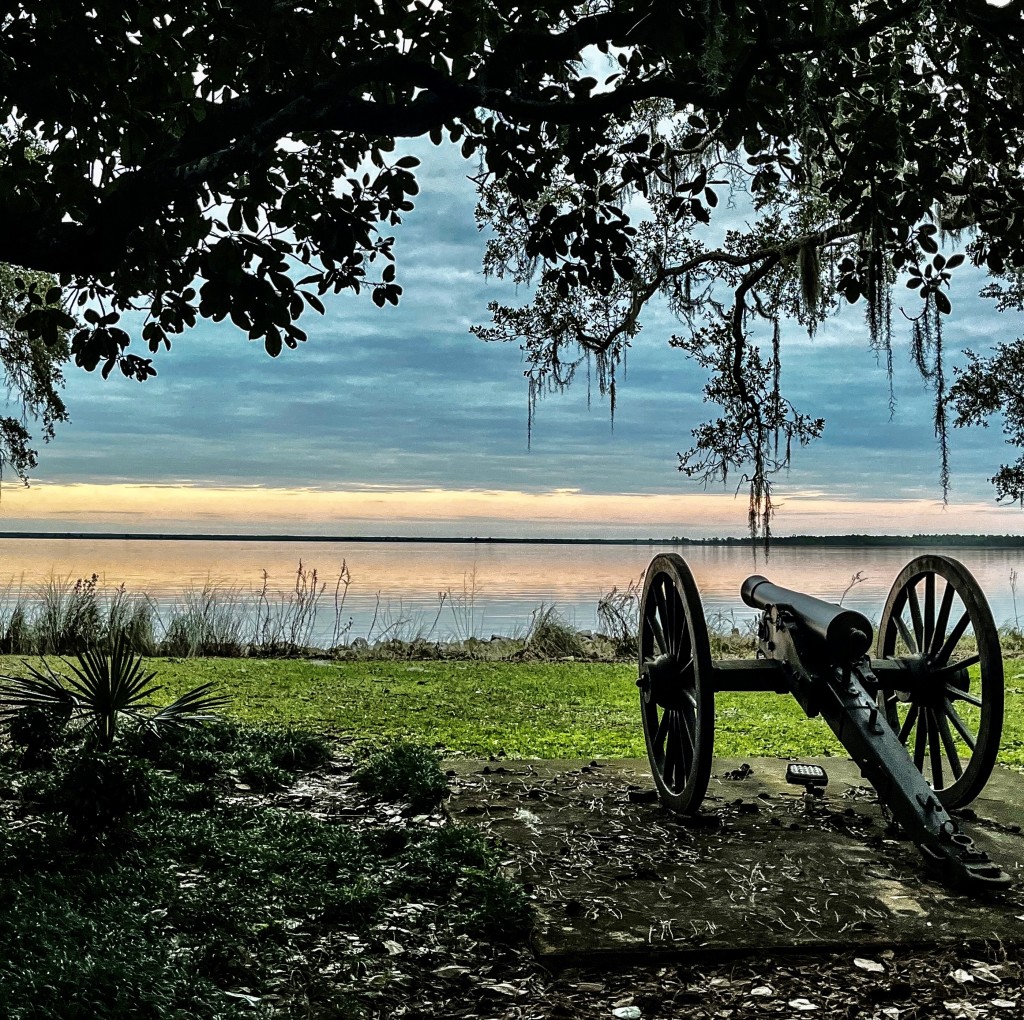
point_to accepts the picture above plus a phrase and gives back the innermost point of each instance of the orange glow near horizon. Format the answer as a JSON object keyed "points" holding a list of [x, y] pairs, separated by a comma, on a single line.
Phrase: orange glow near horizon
{"points": [[126, 508]]}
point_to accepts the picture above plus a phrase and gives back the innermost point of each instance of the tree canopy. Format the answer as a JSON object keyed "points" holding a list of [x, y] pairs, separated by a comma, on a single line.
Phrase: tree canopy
{"points": [[241, 159]]}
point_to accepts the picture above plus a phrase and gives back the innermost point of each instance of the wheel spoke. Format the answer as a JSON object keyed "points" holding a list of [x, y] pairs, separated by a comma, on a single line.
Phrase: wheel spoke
{"points": [[908, 723], [684, 646], [890, 706], [683, 749], [662, 611], [955, 667], [948, 743], [942, 622], [659, 737], [961, 727], [915, 616], [672, 749], [919, 745], [929, 609], [955, 693], [655, 634], [935, 750], [908, 638], [690, 698], [686, 745], [672, 619], [651, 620], [953, 640]]}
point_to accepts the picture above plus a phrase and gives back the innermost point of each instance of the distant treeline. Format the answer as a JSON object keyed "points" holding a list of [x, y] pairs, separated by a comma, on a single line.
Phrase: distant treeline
{"points": [[960, 541]]}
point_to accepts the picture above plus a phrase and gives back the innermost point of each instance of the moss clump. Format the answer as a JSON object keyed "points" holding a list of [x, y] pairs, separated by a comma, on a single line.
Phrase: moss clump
{"points": [[406, 772]]}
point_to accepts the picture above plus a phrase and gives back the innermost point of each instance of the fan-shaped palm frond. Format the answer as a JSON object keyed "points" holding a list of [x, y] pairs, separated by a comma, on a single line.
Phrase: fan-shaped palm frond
{"points": [[110, 687], [103, 690], [37, 690], [196, 705]]}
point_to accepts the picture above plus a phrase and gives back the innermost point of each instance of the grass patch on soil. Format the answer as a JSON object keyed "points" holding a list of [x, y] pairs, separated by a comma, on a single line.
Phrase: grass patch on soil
{"points": [[528, 710]]}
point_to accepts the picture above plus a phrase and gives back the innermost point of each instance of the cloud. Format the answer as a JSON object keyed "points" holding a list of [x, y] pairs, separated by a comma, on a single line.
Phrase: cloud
{"points": [[405, 397], [449, 511]]}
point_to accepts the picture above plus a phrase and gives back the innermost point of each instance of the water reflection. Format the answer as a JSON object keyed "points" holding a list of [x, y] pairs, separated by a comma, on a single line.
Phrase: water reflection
{"points": [[494, 588]]}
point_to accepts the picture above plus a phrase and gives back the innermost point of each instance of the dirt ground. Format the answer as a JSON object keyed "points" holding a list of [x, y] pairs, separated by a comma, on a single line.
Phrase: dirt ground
{"points": [[763, 867], [588, 841]]}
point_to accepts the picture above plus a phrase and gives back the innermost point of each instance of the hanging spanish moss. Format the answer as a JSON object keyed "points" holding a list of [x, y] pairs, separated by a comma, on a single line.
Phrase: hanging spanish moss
{"points": [[926, 350], [531, 409], [608, 360], [941, 425], [713, 58], [878, 279], [760, 509], [922, 342], [809, 265], [888, 363], [557, 375], [878, 290], [880, 331], [776, 392]]}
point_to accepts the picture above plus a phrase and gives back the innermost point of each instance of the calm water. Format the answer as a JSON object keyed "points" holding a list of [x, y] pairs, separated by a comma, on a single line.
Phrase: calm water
{"points": [[491, 589]]}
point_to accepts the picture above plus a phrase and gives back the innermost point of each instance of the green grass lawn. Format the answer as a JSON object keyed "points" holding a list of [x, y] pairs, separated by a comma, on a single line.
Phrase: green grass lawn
{"points": [[543, 710]]}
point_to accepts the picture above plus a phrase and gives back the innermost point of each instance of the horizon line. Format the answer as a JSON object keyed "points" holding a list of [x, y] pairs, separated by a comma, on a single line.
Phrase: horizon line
{"points": [[835, 539]]}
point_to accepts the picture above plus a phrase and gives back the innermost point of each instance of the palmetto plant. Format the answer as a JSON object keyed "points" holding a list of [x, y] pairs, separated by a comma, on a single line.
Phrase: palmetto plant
{"points": [[102, 692]]}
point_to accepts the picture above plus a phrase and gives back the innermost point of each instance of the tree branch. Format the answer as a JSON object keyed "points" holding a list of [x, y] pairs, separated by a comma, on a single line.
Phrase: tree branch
{"points": [[767, 257]]}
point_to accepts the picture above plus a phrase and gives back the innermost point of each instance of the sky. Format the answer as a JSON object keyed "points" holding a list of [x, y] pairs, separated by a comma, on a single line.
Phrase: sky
{"points": [[398, 421]]}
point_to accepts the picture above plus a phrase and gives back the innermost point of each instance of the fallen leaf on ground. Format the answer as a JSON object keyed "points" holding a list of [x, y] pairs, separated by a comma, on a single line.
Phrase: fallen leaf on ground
{"points": [[451, 971], [869, 965], [627, 1013], [252, 1000], [985, 972], [964, 1010], [502, 988]]}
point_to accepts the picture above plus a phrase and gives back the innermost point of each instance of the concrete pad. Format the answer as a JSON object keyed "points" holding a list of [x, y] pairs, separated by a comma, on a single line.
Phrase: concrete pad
{"points": [[763, 868]]}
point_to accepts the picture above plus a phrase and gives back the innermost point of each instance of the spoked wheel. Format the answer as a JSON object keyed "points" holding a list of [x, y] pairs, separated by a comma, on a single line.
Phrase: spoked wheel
{"points": [[677, 700], [937, 623]]}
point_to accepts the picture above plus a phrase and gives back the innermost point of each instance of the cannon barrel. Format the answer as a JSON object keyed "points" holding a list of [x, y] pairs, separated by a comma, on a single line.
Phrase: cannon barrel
{"points": [[846, 634]]}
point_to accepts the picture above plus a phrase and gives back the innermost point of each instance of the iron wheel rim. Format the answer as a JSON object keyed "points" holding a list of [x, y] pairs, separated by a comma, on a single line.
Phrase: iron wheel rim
{"points": [[950, 720], [676, 694]]}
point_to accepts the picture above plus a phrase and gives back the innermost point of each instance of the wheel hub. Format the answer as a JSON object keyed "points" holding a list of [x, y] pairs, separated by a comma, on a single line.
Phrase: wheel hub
{"points": [[918, 684], [664, 683]]}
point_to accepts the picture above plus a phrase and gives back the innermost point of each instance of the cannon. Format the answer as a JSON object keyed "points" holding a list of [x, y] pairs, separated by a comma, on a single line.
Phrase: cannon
{"points": [[922, 717]]}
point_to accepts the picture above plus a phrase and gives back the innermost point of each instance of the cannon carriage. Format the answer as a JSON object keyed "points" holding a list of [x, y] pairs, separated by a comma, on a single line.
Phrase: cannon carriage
{"points": [[922, 716]]}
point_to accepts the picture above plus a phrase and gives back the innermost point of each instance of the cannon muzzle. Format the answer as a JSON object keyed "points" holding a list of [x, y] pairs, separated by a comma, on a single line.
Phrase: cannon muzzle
{"points": [[845, 634]]}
